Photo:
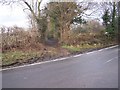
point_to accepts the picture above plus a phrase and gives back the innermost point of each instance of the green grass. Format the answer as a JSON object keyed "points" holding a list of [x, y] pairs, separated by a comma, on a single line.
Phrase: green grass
{"points": [[77, 48], [23, 56], [71, 48], [11, 57]]}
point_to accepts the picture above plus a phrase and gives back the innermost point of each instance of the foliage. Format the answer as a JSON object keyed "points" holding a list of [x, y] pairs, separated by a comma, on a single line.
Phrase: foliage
{"points": [[106, 17], [78, 20], [62, 15], [17, 38], [110, 21], [55, 22]]}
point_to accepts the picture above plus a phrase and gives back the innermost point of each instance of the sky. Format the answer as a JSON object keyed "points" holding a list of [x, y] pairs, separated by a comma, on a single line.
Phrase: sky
{"points": [[14, 16]]}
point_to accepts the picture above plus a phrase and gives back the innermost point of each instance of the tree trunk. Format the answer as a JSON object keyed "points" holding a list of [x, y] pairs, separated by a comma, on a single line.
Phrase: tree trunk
{"points": [[64, 33], [41, 33]]}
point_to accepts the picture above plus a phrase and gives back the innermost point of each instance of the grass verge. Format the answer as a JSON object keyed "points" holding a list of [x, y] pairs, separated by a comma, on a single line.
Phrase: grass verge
{"points": [[28, 56], [78, 48], [22, 57]]}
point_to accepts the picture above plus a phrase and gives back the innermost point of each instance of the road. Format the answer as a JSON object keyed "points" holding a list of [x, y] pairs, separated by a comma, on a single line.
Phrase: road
{"points": [[98, 69]]}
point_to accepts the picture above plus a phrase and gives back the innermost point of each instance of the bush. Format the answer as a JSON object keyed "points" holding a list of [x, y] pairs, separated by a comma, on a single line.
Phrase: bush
{"points": [[17, 38]]}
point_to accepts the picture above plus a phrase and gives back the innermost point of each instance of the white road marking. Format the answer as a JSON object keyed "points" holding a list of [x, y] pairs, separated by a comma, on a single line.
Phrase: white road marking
{"points": [[100, 50], [78, 55], [35, 64], [91, 52], [59, 59], [108, 48], [110, 60]]}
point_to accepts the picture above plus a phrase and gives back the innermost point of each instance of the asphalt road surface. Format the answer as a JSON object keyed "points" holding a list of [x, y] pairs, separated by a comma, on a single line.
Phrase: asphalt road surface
{"points": [[98, 69]]}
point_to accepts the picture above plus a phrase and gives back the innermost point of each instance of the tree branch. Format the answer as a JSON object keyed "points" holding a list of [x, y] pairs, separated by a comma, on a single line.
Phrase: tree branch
{"points": [[39, 2], [30, 9]]}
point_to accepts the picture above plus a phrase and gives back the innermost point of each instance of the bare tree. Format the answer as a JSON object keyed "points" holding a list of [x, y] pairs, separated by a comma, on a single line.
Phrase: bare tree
{"points": [[62, 15], [34, 7]]}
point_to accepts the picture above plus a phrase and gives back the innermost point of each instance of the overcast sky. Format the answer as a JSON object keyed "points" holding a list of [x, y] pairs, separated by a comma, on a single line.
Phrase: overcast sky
{"points": [[14, 16], [10, 16]]}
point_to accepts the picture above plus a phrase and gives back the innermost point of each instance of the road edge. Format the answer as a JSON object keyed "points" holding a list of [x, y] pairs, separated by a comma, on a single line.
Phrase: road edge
{"points": [[59, 59]]}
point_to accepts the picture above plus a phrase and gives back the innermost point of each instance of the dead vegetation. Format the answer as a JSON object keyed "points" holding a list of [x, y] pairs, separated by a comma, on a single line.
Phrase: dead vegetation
{"points": [[17, 38], [20, 46]]}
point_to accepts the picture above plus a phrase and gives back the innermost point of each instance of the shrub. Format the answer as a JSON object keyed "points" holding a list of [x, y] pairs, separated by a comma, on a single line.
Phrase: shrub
{"points": [[17, 38]]}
